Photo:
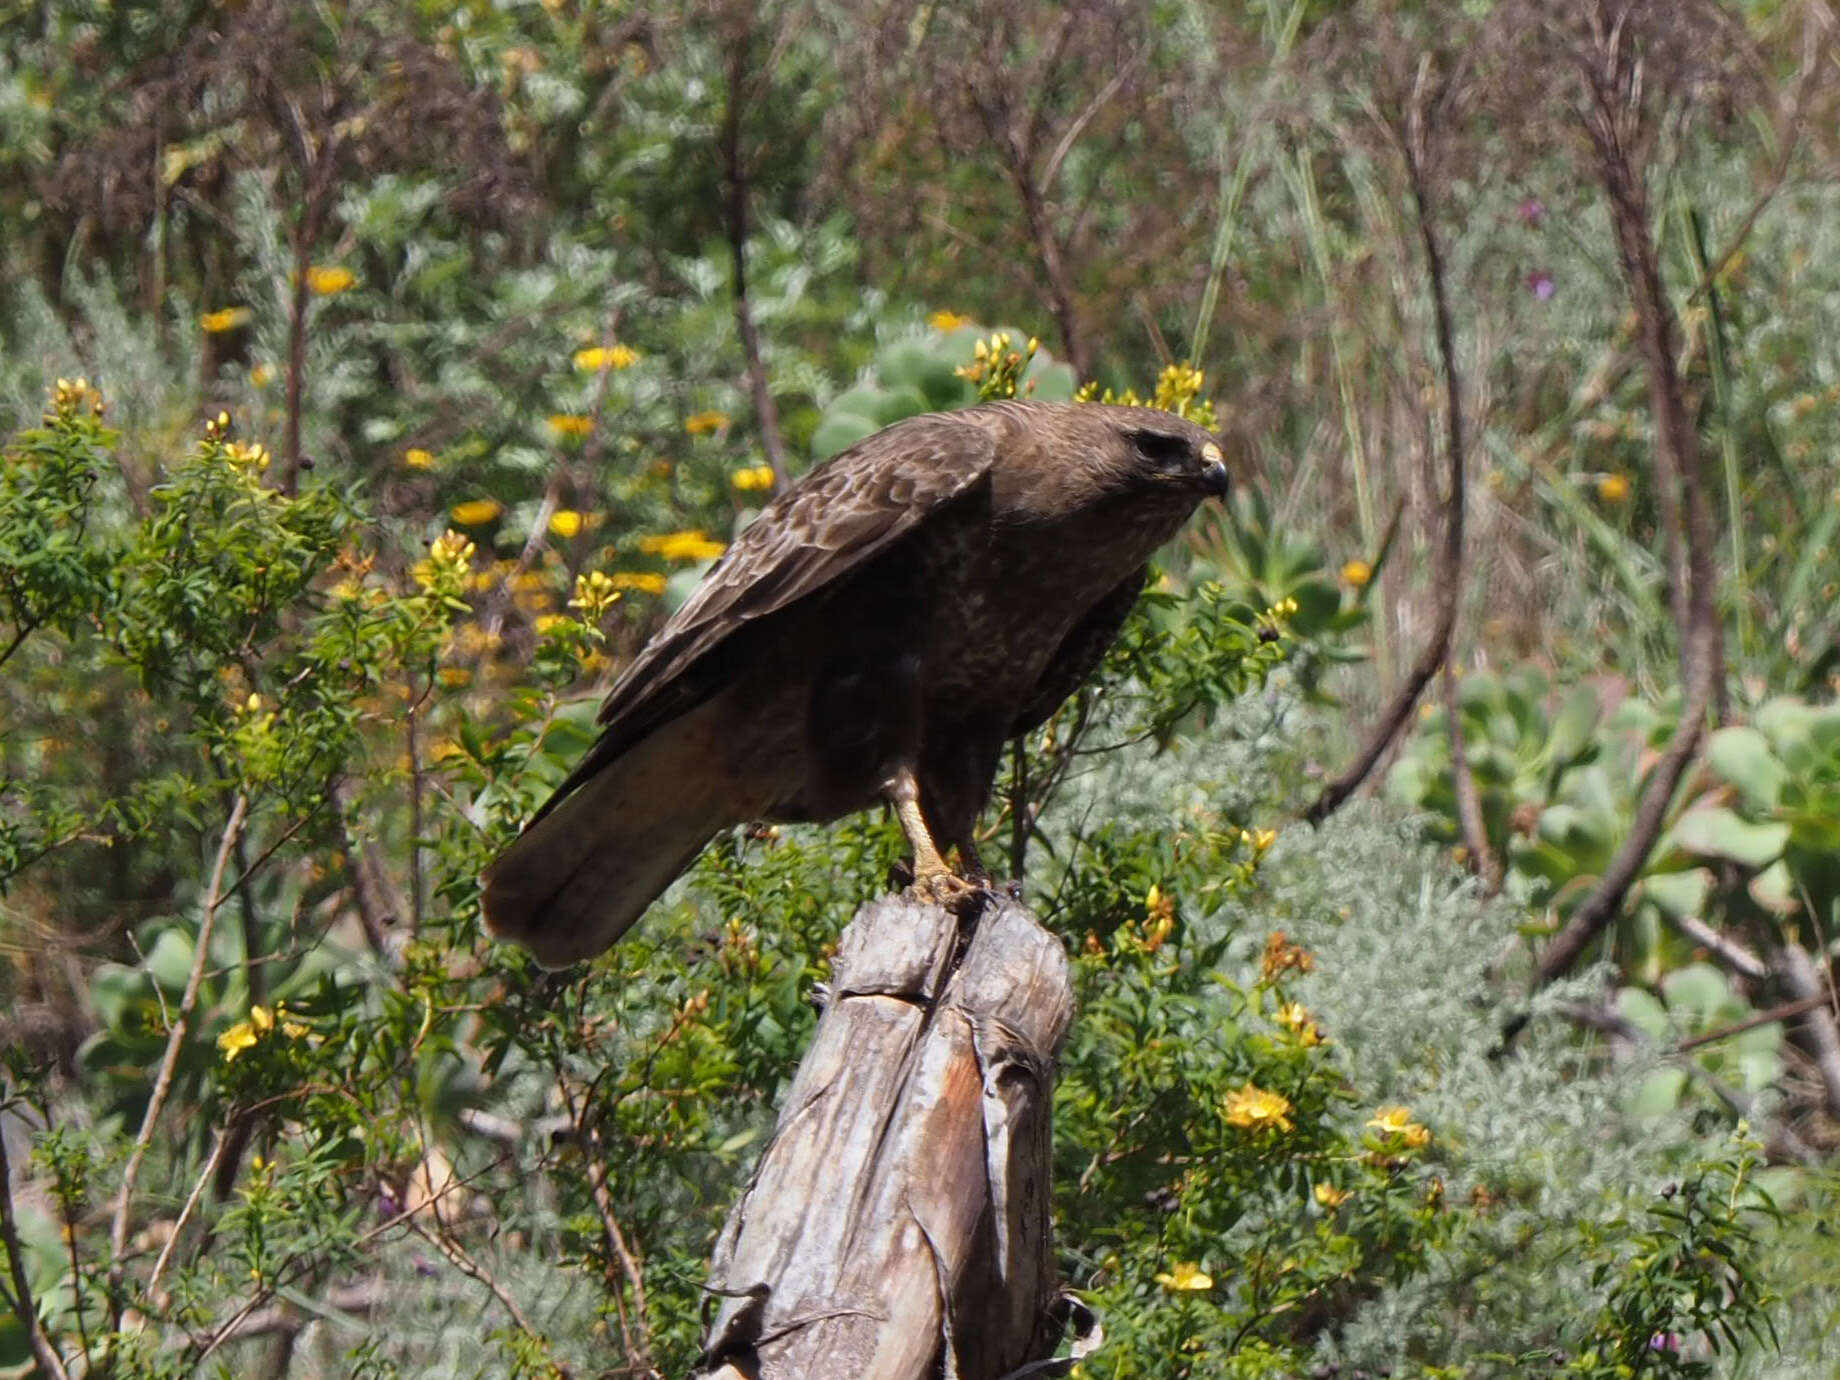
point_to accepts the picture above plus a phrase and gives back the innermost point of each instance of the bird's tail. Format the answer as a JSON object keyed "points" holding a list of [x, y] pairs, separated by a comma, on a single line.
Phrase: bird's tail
{"points": [[580, 875]]}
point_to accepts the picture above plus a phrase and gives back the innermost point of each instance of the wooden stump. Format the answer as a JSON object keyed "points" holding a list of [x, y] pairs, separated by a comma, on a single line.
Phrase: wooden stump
{"points": [[896, 1226]]}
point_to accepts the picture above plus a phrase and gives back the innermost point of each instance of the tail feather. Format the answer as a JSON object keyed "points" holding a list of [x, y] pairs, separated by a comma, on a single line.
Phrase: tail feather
{"points": [[581, 874]]}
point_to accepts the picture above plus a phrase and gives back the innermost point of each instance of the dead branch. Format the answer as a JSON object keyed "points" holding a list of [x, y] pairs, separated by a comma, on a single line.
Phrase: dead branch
{"points": [[1799, 974], [1482, 859], [1411, 136], [898, 1221], [162, 1082], [1612, 73], [741, 86], [19, 1297]]}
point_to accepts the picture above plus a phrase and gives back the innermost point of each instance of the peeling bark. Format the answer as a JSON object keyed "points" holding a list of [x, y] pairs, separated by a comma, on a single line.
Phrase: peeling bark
{"points": [[897, 1225]]}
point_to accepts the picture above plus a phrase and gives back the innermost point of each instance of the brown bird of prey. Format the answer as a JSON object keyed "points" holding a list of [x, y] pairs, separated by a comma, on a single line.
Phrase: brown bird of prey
{"points": [[876, 634]]}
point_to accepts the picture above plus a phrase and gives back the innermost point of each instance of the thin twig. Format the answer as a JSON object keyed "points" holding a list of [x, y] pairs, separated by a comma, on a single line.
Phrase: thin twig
{"points": [[175, 1038], [20, 1298], [205, 1176], [1482, 859], [1692, 568], [1413, 146], [1799, 975], [1722, 947], [1770, 1017], [734, 167]]}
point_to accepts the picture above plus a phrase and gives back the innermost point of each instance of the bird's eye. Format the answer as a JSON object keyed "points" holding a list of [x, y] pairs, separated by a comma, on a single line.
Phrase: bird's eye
{"points": [[1162, 450]]}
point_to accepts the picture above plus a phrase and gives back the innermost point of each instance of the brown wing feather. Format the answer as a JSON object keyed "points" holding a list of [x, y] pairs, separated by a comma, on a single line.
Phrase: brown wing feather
{"points": [[835, 518], [1080, 651]]}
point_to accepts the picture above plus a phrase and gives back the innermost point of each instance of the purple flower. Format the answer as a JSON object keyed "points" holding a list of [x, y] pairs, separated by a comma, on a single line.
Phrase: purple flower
{"points": [[1540, 284], [1664, 1341], [1531, 211]]}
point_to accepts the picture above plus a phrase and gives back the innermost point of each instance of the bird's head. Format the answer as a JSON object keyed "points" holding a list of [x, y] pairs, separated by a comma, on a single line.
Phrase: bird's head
{"points": [[1164, 452]]}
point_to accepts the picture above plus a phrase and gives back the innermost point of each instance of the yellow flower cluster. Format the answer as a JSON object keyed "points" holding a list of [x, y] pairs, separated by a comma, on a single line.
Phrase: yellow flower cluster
{"points": [[693, 545], [246, 1034], [72, 395], [753, 478], [597, 357], [1178, 390], [595, 593], [1395, 1125], [995, 368], [249, 459], [1253, 1109], [418, 459], [328, 280], [564, 523], [570, 424], [1613, 488], [449, 558], [1356, 574], [1185, 1277], [224, 319], [1295, 1018], [701, 423], [947, 320]]}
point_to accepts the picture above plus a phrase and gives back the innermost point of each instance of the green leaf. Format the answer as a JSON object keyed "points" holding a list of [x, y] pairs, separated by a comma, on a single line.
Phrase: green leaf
{"points": [[1642, 1010], [1679, 893], [1714, 831], [1698, 991], [1742, 756], [839, 431], [1658, 1094]]}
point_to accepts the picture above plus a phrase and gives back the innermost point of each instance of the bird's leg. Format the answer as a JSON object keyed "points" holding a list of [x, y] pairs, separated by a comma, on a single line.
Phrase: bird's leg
{"points": [[933, 879]]}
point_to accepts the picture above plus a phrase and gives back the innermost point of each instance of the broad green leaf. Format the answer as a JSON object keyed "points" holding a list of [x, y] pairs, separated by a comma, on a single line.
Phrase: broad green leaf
{"points": [[1742, 756], [1714, 831]]}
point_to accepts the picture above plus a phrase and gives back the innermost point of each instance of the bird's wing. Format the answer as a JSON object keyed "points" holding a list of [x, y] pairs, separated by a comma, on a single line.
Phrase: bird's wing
{"points": [[1083, 648], [819, 530]]}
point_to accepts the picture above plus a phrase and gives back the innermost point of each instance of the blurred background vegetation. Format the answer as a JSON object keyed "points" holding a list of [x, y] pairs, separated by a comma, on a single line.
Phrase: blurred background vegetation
{"points": [[378, 376]]}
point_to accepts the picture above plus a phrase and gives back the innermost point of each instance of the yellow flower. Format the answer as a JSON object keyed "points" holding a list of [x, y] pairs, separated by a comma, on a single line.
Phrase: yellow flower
{"points": [[548, 623], [1185, 1277], [595, 593], [1294, 1018], [597, 357], [327, 280], [476, 512], [570, 424], [693, 545], [697, 423], [449, 556], [1356, 573], [225, 319], [752, 478], [249, 458], [237, 1038], [1254, 1109], [947, 320], [1258, 840], [1329, 1196], [1396, 1122], [260, 375], [642, 582], [244, 1034], [1613, 488], [565, 522], [454, 677], [418, 459]]}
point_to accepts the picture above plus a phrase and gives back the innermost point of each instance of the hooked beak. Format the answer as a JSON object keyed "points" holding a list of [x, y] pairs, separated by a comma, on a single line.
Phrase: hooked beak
{"points": [[1214, 480]]}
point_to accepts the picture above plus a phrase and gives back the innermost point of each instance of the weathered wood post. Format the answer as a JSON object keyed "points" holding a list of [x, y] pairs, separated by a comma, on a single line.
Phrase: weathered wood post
{"points": [[896, 1226]]}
